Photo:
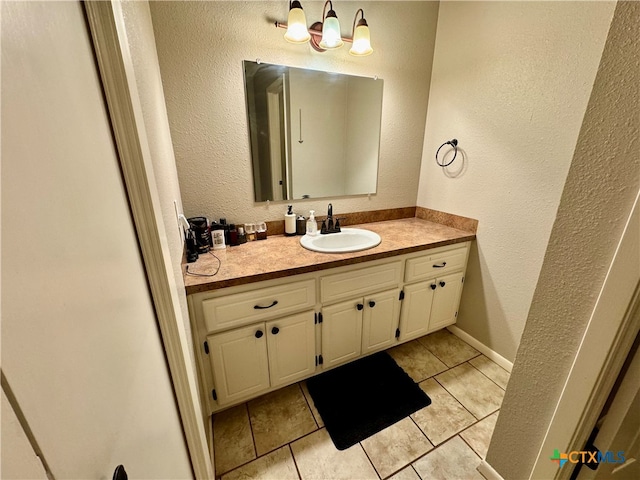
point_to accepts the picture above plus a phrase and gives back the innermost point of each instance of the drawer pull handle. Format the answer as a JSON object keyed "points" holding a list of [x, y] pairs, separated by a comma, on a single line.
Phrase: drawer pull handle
{"points": [[273, 304], [433, 286], [259, 334], [359, 306], [372, 303], [442, 284], [275, 330], [440, 266]]}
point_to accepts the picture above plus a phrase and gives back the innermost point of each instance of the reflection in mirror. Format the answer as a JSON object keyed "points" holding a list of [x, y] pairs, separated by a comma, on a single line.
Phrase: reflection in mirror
{"points": [[313, 134]]}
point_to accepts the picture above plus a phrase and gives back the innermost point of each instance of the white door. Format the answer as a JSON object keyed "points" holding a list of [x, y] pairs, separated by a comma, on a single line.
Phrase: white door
{"points": [[415, 310], [380, 320], [291, 343], [446, 299], [341, 332], [239, 363]]}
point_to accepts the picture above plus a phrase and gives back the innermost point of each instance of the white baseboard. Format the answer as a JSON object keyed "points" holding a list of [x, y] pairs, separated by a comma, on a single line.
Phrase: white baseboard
{"points": [[488, 472], [481, 347]]}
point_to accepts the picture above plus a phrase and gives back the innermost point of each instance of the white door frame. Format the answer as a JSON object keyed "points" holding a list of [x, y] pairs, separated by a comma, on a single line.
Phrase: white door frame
{"points": [[606, 342], [107, 27]]}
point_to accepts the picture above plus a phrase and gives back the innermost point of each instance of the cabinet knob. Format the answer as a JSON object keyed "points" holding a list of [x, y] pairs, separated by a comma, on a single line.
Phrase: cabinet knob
{"points": [[442, 284], [359, 306], [372, 303], [433, 286], [275, 330], [259, 334]]}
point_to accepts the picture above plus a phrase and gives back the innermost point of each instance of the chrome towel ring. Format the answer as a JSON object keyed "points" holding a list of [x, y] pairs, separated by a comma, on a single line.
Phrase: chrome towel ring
{"points": [[454, 144]]}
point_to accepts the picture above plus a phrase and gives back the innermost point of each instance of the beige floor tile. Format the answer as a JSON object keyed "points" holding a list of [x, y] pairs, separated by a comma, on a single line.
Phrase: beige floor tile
{"points": [[444, 417], [277, 465], [232, 440], [318, 459], [472, 389], [314, 410], [478, 436], [417, 361], [492, 370], [451, 460], [406, 474], [448, 348], [396, 446], [280, 417]]}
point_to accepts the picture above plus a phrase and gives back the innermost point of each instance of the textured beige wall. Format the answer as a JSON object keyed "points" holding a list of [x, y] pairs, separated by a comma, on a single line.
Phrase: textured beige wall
{"points": [[158, 141], [601, 186], [511, 81], [201, 46]]}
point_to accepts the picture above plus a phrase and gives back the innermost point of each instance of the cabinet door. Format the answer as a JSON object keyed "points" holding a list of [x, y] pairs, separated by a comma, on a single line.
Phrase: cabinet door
{"points": [[415, 310], [239, 363], [291, 343], [380, 320], [446, 300], [341, 332]]}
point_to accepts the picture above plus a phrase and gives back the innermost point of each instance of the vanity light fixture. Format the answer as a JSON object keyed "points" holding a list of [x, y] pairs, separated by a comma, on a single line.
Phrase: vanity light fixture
{"points": [[325, 35], [297, 24]]}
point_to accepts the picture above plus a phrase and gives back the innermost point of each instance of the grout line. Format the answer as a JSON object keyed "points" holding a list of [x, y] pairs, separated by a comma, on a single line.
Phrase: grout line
{"points": [[309, 405], [253, 437], [469, 445], [456, 399], [496, 383], [414, 468], [369, 458], [295, 464]]}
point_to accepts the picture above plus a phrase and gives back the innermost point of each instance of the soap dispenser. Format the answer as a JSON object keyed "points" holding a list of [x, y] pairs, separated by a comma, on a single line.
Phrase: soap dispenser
{"points": [[290, 222], [312, 225]]}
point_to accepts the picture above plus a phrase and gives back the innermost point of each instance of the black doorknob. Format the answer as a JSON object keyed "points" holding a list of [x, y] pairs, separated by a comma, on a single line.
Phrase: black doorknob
{"points": [[433, 286], [259, 334], [275, 330], [442, 284], [372, 303], [359, 306]]}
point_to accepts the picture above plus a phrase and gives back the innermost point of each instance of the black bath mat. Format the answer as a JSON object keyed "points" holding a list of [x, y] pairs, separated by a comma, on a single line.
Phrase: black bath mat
{"points": [[361, 398]]}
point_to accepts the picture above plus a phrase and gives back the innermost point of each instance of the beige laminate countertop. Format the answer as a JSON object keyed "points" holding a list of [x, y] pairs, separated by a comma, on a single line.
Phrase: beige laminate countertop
{"points": [[281, 256]]}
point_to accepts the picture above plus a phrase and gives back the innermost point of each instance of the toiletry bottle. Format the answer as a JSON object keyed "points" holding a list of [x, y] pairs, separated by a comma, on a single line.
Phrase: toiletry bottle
{"points": [[218, 236], [250, 229], [312, 225], [261, 230], [289, 222], [301, 225], [225, 227], [242, 237], [233, 236]]}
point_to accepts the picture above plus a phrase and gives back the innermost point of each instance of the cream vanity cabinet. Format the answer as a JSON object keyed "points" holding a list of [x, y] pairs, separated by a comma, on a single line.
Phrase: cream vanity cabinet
{"points": [[433, 286], [368, 319], [254, 338]]}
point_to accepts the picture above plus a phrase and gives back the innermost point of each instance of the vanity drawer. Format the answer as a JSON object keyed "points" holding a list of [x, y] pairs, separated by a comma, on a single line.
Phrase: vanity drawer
{"points": [[243, 308], [437, 263], [359, 282]]}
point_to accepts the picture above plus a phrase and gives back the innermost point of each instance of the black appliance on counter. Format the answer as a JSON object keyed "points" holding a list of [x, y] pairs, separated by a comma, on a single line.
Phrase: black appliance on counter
{"points": [[200, 227]]}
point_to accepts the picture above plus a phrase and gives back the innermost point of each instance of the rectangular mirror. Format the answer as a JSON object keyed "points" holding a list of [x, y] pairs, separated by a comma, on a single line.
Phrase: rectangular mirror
{"points": [[313, 134]]}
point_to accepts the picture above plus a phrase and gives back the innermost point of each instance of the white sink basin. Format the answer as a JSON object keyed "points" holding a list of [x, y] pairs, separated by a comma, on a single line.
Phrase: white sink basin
{"points": [[348, 240]]}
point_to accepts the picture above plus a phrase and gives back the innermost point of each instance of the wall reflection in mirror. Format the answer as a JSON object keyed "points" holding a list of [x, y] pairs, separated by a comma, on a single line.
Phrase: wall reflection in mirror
{"points": [[313, 134]]}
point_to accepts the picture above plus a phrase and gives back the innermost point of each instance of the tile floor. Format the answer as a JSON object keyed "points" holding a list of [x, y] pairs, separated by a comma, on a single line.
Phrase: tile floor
{"points": [[280, 435]]}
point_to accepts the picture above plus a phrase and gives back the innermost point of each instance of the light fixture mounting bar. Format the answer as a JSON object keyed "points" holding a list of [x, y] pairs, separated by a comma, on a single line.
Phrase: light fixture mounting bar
{"points": [[313, 30]]}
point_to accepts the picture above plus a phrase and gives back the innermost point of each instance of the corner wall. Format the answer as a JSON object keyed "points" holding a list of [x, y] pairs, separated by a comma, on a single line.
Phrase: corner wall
{"points": [[598, 196], [511, 81], [201, 46]]}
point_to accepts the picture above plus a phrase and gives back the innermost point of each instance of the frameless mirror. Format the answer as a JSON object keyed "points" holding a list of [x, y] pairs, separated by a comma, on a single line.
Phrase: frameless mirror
{"points": [[313, 134]]}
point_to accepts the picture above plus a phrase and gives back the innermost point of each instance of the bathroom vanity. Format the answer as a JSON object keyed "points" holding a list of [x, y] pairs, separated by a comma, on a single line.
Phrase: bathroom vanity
{"points": [[276, 313]]}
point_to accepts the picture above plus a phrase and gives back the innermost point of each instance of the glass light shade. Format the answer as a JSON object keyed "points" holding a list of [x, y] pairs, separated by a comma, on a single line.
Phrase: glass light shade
{"points": [[297, 27], [361, 42], [331, 37]]}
